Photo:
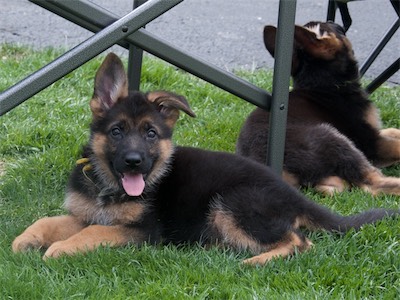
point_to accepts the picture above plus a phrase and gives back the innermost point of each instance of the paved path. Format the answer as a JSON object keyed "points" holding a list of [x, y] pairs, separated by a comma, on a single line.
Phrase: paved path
{"points": [[227, 33]]}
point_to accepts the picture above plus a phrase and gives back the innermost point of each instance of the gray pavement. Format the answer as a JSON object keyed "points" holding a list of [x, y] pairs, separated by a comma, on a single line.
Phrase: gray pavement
{"points": [[227, 33]]}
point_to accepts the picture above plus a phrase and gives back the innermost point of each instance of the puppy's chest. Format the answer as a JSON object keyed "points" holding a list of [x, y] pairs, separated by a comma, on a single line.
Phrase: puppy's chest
{"points": [[106, 209]]}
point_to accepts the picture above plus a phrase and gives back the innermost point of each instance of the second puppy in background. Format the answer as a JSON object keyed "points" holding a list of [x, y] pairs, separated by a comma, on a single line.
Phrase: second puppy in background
{"points": [[333, 138]]}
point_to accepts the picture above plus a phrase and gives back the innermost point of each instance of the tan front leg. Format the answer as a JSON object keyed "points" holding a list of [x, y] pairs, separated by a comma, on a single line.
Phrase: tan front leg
{"points": [[388, 150], [391, 132], [46, 231], [94, 236]]}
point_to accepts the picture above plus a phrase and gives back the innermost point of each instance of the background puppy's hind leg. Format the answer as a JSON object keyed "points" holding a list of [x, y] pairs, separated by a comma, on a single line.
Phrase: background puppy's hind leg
{"points": [[46, 231], [352, 166], [290, 179], [377, 183], [286, 247], [388, 151], [331, 185]]}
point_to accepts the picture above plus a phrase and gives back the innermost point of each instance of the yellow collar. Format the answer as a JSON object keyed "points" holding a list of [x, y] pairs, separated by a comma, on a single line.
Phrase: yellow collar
{"points": [[86, 162]]}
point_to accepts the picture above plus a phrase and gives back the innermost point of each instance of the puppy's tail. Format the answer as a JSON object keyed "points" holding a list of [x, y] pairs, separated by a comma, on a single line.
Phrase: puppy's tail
{"points": [[319, 217]]}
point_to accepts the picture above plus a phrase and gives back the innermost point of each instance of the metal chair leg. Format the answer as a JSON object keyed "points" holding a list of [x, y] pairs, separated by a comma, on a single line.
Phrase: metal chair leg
{"points": [[135, 60], [281, 83], [385, 75], [379, 47]]}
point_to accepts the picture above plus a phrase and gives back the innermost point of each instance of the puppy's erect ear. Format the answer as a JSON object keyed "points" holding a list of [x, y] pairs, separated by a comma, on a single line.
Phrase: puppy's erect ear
{"points": [[169, 105], [269, 39], [309, 39], [269, 42], [110, 85], [317, 43]]}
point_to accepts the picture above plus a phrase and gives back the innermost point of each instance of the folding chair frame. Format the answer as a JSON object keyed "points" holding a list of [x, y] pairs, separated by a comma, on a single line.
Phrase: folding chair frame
{"points": [[126, 32], [395, 66]]}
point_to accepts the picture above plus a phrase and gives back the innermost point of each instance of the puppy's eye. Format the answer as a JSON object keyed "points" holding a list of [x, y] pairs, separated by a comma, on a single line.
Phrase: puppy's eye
{"points": [[151, 134], [116, 132]]}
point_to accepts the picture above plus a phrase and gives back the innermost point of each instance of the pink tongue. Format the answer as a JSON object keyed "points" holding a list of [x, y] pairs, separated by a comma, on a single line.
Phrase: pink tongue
{"points": [[133, 184]]}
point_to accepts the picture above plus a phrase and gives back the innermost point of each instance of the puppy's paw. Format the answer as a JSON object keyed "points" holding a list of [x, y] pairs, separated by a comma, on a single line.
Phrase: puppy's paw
{"points": [[60, 248], [57, 249], [27, 241], [391, 132], [256, 260]]}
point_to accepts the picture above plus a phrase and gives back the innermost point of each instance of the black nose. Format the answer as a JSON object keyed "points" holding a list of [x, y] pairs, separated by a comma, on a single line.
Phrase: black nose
{"points": [[133, 159]]}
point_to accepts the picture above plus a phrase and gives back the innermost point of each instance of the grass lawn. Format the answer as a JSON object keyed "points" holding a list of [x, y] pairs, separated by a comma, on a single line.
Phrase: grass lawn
{"points": [[40, 141]]}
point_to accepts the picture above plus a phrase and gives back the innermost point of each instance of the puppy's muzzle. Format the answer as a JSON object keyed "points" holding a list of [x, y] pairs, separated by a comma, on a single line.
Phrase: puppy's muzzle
{"points": [[133, 159]]}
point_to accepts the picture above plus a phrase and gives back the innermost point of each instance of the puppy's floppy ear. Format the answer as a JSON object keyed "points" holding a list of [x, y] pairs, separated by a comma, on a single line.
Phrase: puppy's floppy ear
{"points": [[169, 105], [269, 39], [110, 85]]}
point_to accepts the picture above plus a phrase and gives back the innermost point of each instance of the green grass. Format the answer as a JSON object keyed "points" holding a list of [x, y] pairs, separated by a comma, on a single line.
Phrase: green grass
{"points": [[40, 141]]}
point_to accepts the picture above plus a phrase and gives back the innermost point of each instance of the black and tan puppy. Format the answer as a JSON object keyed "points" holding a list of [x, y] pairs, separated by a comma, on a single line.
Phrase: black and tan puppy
{"points": [[334, 138], [133, 186]]}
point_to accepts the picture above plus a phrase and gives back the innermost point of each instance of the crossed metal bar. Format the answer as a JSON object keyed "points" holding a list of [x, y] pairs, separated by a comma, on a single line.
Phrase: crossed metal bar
{"points": [[127, 32], [395, 66]]}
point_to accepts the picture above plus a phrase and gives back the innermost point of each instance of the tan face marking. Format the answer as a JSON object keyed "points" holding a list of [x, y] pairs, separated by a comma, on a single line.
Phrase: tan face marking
{"points": [[98, 143], [161, 165], [98, 161]]}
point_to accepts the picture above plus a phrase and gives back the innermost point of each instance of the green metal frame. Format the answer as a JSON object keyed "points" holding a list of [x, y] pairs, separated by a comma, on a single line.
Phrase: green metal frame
{"points": [[395, 66], [128, 32]]}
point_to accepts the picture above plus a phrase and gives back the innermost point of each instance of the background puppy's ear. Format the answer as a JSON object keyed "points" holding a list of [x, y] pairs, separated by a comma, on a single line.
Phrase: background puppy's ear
{"points": [[269, 39], [269, 42], [110, 85], [169, 105], [311, 41]]}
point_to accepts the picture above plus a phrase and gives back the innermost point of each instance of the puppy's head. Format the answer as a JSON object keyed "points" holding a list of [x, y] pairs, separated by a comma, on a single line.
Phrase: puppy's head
{"points": [[131, 131], [321, 51]]}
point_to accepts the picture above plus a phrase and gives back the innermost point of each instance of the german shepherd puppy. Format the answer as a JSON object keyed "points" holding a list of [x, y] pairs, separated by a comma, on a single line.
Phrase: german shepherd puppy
{"points": [[133, 186], [333, 134]]}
